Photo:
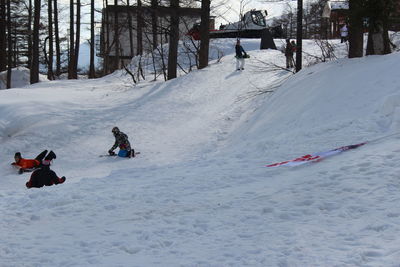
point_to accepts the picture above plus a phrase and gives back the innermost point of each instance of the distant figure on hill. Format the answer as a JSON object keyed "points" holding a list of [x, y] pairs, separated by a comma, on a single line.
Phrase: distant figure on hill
{"points": [[289, 54], [344, 33], [26, 165], [294, 46], [240, 56], [121, 141], [43, 175]]}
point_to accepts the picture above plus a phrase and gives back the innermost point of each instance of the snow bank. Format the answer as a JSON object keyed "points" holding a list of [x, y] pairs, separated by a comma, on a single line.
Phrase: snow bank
{"points": [[20, 77]]}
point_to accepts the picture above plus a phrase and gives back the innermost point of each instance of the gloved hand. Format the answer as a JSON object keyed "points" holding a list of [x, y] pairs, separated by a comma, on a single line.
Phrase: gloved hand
{"points": [[21, 171]]}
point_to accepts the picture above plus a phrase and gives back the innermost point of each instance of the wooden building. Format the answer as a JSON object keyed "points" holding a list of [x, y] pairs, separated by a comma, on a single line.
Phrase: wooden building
{"points": [[336, 13], [128, 31]]}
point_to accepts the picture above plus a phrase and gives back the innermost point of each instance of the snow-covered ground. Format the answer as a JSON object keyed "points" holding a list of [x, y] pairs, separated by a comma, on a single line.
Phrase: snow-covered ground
{"points": [[199, 193]]}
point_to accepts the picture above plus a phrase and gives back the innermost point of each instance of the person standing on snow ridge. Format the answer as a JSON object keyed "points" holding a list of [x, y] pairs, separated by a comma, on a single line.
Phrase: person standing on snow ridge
{"points": [[121, 141], [289, 54], [344, 33], [240, 56]]}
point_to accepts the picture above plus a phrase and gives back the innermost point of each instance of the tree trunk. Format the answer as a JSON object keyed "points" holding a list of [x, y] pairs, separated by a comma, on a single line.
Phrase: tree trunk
{"points": [[30, 8], [116, 38], [139, 28], [3, 37], [132, 53], [356, 35], [50, 74], [71, 60], [173, 41], [92, 42], [154, 24], [57, 39], [35, 44], [9, 44], [106, 44], [204, 33], [378, 36], [78, 37], [299, 45]]}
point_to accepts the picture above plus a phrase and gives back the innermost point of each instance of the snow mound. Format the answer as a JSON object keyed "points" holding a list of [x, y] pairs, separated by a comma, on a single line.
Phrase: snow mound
{"points": [[20, 77]]}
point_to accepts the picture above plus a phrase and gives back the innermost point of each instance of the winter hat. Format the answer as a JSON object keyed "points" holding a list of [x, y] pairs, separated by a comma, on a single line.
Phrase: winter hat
{"points": [[18, 154], [115, 130]]}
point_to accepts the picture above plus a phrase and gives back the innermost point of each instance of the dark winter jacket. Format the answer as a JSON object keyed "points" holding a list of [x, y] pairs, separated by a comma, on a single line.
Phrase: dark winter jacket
{"points": [[239, 51], [289, 49], [121, 141], [43, 176]]}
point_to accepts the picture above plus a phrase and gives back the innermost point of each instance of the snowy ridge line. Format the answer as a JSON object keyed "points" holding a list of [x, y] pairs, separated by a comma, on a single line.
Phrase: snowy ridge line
{"points": [[317, 157]]}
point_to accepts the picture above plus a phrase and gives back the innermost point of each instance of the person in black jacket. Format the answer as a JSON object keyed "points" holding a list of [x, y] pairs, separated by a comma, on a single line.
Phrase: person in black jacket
{"points": [[43, 175], [240, 56], [121, 141]]}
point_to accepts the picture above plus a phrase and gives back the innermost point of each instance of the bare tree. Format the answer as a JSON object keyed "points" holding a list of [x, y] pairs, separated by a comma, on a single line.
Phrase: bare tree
{"points": [[71, 61], [9, 43], [34, 75], [154, 5], [92, 42], [29, 28], [356, 42], [3, 37], [378, 12], [299, 44], [173, 41], [116, 36], [139, 28], [50, 74], [57, 40], [204, 33], [77, 37], [130, 29]]}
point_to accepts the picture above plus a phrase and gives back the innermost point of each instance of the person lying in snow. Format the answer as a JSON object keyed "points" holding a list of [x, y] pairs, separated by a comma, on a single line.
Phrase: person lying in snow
{"points": [[27, 165], [121, 141], [43, 175]]}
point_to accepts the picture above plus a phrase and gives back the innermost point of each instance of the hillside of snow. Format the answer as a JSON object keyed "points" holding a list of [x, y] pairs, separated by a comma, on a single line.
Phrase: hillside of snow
{"points": [[199, 193]]}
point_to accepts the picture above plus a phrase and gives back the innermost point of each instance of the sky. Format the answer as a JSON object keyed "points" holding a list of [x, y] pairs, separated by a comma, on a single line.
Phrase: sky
{"points": [[199, 193]]}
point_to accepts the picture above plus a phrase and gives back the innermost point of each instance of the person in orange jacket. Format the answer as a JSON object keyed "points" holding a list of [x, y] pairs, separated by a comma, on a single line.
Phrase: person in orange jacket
{"points": [[27, 165]]}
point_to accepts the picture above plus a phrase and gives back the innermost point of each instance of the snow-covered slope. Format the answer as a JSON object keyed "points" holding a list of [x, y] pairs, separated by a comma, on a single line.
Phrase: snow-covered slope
{"points": [[199, 194]]}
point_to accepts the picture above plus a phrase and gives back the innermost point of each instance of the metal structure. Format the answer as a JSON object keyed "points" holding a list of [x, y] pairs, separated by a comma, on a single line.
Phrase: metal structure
{"points": [[251, 25]]}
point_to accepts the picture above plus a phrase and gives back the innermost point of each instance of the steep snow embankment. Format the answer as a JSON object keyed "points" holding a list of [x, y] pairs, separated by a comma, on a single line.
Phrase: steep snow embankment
{"points": [[342, 211], [326, 106]]}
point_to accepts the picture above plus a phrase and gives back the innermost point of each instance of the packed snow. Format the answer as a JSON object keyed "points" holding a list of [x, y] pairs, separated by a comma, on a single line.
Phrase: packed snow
{"points": [[199, 193]]}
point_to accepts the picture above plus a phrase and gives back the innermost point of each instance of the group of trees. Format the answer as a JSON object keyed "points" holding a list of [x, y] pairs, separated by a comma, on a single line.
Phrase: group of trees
{"points": [[31, 37], [30, 34], [378, 14], [132, 31]]}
